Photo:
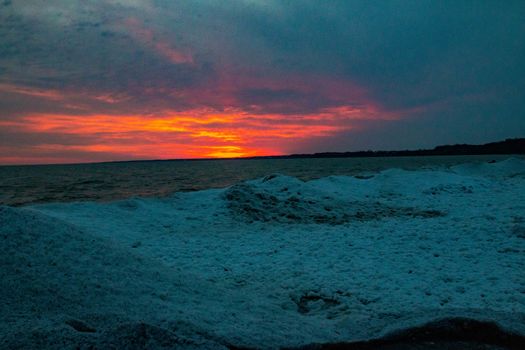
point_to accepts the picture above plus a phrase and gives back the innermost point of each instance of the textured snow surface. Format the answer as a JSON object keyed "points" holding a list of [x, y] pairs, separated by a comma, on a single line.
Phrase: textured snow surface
{"points": [[268, 263]]}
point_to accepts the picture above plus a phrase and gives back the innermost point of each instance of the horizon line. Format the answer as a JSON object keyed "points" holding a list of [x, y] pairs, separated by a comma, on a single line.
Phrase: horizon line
{"points": [[357, 154]]}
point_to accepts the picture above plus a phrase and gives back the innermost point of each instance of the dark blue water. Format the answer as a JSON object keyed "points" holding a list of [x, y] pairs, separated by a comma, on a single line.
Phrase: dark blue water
{"points": [[21, 185]]}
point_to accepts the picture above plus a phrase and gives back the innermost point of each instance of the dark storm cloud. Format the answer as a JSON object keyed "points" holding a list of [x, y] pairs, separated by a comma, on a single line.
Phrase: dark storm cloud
{"points": [[406, 52]]}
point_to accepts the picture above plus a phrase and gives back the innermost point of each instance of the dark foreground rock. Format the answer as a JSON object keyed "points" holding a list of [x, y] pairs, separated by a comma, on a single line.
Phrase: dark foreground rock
{"points": [[451, 333]]}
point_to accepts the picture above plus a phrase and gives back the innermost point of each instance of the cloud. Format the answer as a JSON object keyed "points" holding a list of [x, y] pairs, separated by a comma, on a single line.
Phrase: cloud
{"points": [[148, 38], [340, 75]]}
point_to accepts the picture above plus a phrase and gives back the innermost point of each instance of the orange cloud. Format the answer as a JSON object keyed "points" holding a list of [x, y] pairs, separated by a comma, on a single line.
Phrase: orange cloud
{"points": [[240, 116], [200, 133]]}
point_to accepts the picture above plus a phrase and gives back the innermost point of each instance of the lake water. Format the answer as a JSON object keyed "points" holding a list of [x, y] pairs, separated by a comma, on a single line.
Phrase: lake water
{"points": [[21, 185]]}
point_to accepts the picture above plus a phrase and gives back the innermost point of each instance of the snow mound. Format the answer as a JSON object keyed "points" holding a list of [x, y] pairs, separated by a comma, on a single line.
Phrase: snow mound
{"points": [[284, 199], [61, 285], [449, 189], [52, 265], [511, 167], [130, 336], [146, 336]]}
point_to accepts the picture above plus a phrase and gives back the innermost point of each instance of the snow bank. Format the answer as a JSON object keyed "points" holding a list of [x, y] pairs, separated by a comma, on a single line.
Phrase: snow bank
{"points": [[512, 167], [268, 263], [63, 287], [282, 199]]}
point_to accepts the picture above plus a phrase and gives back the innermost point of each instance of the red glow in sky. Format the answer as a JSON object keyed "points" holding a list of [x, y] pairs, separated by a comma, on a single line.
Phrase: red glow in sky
{"points": [[232, 113], [192, 134], [186, 111]]}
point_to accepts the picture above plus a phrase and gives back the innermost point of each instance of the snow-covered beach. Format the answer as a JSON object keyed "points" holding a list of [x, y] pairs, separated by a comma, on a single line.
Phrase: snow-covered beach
{"points": [[268, 263]]}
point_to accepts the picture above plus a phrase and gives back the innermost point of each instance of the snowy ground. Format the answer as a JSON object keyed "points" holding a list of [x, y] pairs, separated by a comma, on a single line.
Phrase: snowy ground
{"points": [[268, 263]]}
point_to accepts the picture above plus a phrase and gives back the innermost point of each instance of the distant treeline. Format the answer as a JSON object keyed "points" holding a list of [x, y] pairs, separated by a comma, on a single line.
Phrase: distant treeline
{"points": [[509, 146]]}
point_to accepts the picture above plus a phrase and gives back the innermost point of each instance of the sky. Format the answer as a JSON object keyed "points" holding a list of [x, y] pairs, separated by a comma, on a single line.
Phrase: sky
{"points": [[85, 81]]}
